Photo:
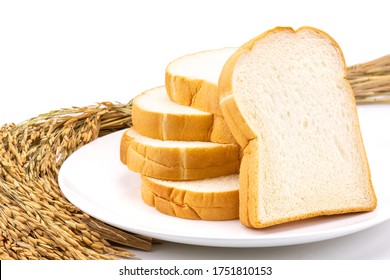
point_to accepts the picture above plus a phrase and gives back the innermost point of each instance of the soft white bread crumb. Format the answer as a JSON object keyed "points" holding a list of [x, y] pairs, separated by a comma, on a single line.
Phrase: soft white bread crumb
{"points": [[208, 199], [156, 100], [286, 100], [155, 115], [178, 160], [205, 65]]}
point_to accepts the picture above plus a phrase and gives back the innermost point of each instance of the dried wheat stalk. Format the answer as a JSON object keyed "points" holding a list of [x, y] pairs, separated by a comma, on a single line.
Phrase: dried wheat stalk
{"points": [[371, 81], [36, 220]]}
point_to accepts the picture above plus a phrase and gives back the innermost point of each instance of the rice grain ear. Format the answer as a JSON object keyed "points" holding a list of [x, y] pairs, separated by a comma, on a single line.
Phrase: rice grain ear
{"points": [[371, 81], [36, 220]]}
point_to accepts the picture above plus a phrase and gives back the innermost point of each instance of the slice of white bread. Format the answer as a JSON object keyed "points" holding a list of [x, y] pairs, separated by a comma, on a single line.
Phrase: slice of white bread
{"points": [[287, 102], [213, 199], [178, 160], [156, 116], [192, 80]]}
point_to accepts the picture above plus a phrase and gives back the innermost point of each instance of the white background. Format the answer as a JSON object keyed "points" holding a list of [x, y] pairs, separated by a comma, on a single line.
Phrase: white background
{"points": [[56, 54], [282, 270]]}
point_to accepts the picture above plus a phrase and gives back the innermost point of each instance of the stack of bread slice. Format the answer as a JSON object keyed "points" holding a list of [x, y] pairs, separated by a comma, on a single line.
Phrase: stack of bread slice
{"points": [[192, 80], [278, 109], [185, 170]]}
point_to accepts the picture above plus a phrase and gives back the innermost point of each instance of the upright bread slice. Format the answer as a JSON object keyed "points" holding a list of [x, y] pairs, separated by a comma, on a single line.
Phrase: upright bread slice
{"points": [[178, 160], [156, 116], [286, 100], [208, 199], [192, 80]]}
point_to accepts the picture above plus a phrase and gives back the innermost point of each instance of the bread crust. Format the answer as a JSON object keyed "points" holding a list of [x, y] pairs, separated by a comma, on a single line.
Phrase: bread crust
{"points": [[215, 206], [236, 121], [249, 141], [202, 95], [179, 163], [123, 146], [171, 126], [199, 94]]}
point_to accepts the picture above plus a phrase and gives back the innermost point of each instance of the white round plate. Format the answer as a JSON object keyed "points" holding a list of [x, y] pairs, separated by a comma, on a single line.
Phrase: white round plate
{"points": [[94, 179]]}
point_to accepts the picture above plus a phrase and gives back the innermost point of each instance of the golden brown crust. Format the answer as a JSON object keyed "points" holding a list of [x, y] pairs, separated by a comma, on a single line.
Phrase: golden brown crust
{"points": [[202, 95], [195, 93], [173, 163], [219, 131], [190, 205], [236, 122], [143, 121], [249, 176], [124, 144], [199, 199], [170, 126], [247, 139]]}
